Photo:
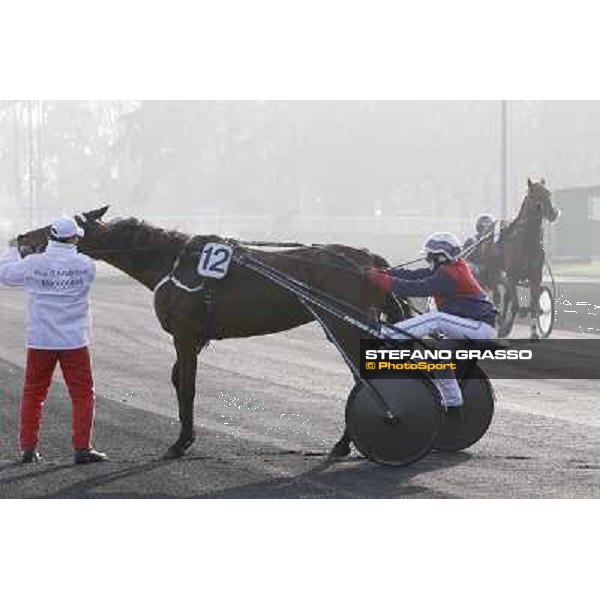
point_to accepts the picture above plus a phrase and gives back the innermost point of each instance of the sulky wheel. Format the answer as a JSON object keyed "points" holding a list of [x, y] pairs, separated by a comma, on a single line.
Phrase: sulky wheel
{"points": [[410, 435], [462, 428], [545, 321]]}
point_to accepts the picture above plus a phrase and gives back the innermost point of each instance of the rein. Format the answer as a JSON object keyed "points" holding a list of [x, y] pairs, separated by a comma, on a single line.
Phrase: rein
{"points": [[471, 249], [356, 269], [263, 244], [246, 247], [462, 254]]}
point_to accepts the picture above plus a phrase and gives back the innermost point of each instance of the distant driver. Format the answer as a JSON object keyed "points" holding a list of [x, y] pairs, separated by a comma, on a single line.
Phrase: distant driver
{"points": [[483, 228]]}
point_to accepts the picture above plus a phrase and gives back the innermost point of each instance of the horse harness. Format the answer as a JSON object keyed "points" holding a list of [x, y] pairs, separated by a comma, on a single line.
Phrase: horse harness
{"points": [[207, 286]]}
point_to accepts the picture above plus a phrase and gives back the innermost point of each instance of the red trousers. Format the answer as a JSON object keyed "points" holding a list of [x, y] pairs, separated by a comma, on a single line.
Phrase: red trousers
{"points": [[77, 372]]}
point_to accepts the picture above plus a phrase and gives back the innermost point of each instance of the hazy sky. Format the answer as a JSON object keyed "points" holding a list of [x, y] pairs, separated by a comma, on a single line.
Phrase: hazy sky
{"points": [[330, 160]]}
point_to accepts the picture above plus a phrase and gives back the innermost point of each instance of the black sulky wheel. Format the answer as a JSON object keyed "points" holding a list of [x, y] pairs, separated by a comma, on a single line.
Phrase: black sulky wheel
{"points": [[547, 312], [464, 427], [410, 435]]}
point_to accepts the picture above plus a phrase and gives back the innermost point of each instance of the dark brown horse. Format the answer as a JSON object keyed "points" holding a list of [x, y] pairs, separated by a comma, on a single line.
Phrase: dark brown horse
{"points": [[518, 257], [196, 310]]}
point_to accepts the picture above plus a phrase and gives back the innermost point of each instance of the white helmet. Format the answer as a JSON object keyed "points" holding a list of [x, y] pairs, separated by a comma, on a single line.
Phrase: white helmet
{"points": [[65, 227], [446, 244]]}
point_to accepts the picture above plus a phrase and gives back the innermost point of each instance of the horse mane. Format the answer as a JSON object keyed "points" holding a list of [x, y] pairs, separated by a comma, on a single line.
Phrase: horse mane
{"points": [[128, 235], [121, 232]]}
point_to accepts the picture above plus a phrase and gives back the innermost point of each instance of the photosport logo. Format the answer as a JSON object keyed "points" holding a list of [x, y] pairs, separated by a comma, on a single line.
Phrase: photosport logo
{"points": [[497, 359]]}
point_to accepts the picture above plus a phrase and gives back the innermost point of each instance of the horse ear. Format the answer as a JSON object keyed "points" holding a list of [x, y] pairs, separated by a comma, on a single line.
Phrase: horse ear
{"points": [[94, 215], [529, 182]]}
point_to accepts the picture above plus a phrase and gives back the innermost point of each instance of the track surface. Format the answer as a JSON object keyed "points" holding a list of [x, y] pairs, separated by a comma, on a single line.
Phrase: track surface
{"points": [[268, 410]]}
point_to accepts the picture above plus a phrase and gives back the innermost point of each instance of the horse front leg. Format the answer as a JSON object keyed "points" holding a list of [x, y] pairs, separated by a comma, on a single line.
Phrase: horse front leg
{"points": [[183, 377], [534, 308], [175, 376]]}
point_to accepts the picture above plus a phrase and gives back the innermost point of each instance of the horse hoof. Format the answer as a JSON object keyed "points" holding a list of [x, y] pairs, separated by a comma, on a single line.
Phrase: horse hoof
{"points": [[178, 449], [340, 450], [173, 453]]}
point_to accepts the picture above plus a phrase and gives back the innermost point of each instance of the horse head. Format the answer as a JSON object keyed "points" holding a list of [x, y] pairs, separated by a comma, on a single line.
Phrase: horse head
{"points": [[36, 240], [538, 202]]}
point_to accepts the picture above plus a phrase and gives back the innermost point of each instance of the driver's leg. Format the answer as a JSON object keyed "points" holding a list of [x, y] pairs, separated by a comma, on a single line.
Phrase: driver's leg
{"points": [[429, 324], [416, 327], [448, 387], [452, 327], [458, 328], [436, 322]]}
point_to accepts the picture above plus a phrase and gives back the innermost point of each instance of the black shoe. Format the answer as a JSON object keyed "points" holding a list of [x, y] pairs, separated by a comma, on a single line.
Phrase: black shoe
{"points": [[88, 455], [31, 456]]}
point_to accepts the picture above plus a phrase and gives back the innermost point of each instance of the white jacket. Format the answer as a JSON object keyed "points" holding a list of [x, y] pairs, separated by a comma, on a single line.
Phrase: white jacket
{"points": [[58, 284]]}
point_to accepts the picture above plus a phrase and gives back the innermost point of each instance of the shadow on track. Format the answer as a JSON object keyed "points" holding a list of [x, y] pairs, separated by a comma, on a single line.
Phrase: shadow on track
{"points": [[41, 470], [84, 488], [351, 478]]}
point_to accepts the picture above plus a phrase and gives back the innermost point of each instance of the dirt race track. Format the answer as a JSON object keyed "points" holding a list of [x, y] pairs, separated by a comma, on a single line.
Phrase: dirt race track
{"points": [[268, 410]]}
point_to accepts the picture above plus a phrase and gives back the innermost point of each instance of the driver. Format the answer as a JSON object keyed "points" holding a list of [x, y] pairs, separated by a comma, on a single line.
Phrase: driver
{"points": [[463, 309], [58, 283], [483, 227]]}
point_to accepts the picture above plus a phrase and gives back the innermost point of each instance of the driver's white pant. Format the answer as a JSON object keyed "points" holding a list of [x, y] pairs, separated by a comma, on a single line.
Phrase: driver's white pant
{"points": [[452, 327]]}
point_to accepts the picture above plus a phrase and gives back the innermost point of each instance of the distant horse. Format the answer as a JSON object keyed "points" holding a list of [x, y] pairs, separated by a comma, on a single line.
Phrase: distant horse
{"points": [[195, 310], [518, 257]]}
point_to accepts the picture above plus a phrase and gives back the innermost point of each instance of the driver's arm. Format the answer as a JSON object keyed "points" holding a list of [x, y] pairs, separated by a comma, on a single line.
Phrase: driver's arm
{"points": [[401, 273], [12, 268], [438, 283]]}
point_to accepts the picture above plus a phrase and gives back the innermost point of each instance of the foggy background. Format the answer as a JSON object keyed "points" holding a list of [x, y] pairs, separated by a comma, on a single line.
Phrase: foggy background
{"points": [[380, 174]]}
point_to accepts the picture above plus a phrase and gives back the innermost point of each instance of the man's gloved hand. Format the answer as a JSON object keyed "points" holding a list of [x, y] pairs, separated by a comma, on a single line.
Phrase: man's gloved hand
{"points": [[379, 278]]}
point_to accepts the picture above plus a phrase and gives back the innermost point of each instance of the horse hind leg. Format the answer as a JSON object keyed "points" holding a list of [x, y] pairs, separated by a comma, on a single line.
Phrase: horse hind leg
{"points": [[341, 448], [348, 343]]}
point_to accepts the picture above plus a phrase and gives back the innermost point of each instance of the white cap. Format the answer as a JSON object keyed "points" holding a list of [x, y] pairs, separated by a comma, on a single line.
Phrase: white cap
{"points": [[65, 228]]}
